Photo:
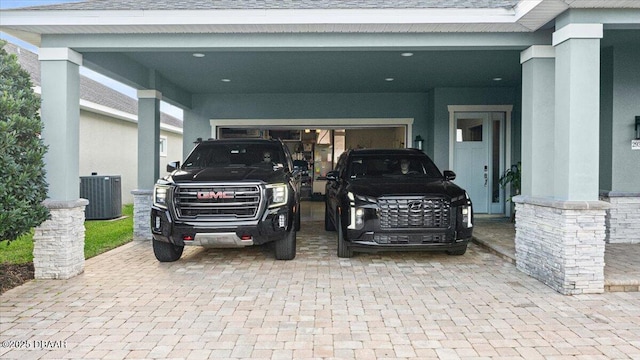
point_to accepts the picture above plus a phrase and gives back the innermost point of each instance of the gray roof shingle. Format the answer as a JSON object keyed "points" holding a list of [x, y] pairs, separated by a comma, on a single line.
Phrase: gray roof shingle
{"points": [[277, 4]]}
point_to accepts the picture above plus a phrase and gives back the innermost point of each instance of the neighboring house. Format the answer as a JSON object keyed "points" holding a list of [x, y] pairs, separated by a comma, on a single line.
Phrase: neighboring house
{"points": [[108, 128]]}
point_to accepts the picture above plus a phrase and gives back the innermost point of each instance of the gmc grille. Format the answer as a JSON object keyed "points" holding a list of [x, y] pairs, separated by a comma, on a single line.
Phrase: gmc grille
{"points": [[217, 202], [414, 212]]}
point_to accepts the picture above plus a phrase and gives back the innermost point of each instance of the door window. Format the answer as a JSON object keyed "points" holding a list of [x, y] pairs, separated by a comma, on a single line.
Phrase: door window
{"points": [[469, 130]]}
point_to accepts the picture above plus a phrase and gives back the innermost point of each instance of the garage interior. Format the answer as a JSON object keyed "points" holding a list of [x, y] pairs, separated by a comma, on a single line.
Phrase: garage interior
{"points": [[316, 150]]}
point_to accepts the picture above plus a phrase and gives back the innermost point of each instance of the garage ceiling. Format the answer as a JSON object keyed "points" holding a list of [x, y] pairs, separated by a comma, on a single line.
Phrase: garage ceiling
{"points": [[333, 71]]}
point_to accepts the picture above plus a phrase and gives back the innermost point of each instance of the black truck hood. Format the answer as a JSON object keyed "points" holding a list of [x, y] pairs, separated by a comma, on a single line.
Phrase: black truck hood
{"points": [[407, 185], [228, 174]]}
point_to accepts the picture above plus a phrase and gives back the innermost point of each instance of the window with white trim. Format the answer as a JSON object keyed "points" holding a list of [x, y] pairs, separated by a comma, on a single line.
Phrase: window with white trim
{"points": [[163, 145]]}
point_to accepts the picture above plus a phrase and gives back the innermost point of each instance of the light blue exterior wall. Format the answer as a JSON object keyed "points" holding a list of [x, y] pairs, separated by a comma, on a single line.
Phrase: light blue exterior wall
{"points": [[301, 106], [606, 112], [429, 111], [439, 115], [620, 99]]}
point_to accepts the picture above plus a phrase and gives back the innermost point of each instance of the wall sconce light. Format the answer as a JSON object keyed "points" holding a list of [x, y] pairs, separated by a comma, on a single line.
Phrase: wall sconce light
{"points": [[418, 142], [637, 127]]}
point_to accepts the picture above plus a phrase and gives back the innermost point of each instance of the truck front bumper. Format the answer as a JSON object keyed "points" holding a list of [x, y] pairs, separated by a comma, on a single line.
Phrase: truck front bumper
{"points": [[274, 224]]}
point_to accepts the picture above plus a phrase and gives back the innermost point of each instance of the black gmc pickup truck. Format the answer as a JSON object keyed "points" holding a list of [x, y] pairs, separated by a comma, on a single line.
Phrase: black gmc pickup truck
{"points": [[228, 193]]}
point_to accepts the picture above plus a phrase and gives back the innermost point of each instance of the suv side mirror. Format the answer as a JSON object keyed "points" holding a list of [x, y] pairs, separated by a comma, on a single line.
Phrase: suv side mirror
{"points": [[449, 175], [173, 166], [332, 176]]}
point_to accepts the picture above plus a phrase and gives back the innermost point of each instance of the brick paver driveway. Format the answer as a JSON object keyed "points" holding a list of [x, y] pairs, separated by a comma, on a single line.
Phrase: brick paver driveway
{"points": [[241, 303]]}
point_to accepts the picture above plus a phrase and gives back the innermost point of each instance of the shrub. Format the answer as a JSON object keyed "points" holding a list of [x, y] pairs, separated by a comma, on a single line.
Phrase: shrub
{"points": [[22, 175]]}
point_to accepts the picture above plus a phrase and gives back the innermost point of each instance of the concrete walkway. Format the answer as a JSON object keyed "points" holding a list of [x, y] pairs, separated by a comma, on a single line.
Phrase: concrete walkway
{"points": [[243, 304]]}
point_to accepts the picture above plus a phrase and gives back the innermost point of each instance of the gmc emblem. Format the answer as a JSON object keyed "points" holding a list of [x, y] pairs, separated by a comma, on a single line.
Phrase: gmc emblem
{"points": [[204, 195]]}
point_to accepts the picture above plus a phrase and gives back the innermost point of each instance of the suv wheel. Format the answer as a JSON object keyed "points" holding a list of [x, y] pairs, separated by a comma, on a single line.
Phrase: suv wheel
{"points": [[458, 251], [285, 248], [343, 246], [166, 252]]}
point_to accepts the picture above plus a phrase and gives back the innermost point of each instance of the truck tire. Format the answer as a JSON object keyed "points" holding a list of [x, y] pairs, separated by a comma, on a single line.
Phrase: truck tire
{"points": [[166, 252], [343, 246], [285, 248], [328, 224]]}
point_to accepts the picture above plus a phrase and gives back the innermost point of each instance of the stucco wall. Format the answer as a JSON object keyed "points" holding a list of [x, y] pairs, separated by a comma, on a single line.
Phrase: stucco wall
{"points": [[443, 97], [109, 146], [292, 106], [431, 124], [626, 106]]}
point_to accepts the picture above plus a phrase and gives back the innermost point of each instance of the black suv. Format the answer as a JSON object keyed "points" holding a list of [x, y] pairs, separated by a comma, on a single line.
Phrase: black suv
{"points": [[228, 193], [395, 199]]}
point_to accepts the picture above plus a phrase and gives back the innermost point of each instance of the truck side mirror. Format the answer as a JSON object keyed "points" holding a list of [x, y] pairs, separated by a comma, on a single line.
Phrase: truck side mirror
{"points": [[173, 166], [332, 176], [449, 175]]}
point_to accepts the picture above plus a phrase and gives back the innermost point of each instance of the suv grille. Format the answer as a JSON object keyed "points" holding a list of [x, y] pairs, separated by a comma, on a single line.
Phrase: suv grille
{"points": [[414, 212], [217, 202], [411, 239]]}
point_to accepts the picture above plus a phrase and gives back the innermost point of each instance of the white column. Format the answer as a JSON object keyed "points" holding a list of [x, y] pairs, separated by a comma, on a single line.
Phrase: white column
{"points": [[58, 249], [538, 117], [577, 112]]}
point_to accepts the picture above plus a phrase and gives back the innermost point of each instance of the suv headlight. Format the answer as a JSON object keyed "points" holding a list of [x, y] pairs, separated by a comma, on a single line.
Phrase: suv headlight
{"points": [[160, 196], [277, 194]]}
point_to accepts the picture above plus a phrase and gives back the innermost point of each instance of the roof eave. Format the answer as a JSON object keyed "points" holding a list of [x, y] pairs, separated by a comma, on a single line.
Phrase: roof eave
{"points": [[29, 25]]}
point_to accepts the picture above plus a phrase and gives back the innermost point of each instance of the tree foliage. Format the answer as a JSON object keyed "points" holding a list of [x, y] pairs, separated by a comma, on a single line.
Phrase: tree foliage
{"points": [[23, 187]]}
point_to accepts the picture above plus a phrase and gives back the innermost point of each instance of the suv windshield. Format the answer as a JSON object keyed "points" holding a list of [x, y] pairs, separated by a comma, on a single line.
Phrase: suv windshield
{"points": [[237, 155], [392, 165]]}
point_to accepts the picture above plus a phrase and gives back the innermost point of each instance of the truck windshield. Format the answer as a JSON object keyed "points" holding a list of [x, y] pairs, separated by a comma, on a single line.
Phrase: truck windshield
{"points": [[235, 155]]}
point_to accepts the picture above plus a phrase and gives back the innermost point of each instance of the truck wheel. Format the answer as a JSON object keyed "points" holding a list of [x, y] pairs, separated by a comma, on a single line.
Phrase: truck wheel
{"points": [[458, 251], [343, 246], [166, 252], [328, 225], [298, 219], [285, 248]]}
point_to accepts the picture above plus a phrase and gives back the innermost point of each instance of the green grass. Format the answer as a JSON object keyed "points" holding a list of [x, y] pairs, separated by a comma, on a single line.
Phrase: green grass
{"points": [[100, 236], [19, 251]]}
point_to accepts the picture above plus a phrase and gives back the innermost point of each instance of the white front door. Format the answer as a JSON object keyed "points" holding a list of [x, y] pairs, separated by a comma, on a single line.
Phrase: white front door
{"points": [[471, 157]]}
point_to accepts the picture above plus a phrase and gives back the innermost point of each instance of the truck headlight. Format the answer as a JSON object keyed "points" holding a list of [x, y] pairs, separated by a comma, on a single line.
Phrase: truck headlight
{"points": [[278, 194], [160, 196]]}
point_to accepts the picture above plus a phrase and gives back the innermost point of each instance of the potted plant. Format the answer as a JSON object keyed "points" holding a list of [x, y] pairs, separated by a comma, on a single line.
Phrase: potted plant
{"points": [[512, 177]]}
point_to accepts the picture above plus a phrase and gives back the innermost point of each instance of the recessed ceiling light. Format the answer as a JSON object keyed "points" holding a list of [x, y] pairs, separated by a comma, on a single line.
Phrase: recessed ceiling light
{"points": [[406, 54], [389, 79], [225, 80], [198, 55], [497, 79]]}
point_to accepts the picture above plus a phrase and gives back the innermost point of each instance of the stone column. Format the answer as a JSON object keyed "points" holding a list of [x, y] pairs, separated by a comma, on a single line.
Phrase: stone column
{"points": [[142, 201], [148, 161], [59, 242], [560, 222], [561, 243], [623, 218]]}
